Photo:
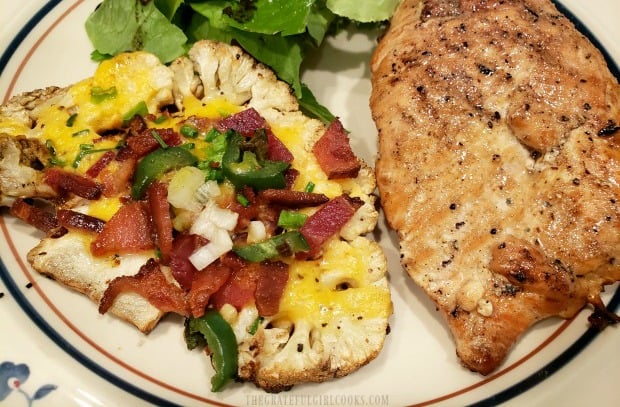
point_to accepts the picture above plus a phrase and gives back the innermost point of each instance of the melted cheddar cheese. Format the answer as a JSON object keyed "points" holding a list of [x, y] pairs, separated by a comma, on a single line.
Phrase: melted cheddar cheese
{"points": [[337, 285]]}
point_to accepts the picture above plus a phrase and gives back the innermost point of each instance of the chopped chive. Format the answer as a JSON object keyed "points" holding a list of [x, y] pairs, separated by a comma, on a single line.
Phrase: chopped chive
{"points": [[254, 327], [243, 200], [80, 133], [71, 120], [86, 149], [189, 131], [157, 137], [309, 187], [54, 160]]}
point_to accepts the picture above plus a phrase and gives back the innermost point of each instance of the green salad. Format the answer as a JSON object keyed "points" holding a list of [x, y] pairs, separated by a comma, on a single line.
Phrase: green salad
{"points": [[278, 33]]}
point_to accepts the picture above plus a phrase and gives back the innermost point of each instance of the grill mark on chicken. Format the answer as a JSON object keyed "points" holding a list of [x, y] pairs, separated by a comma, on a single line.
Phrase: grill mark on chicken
{"points": [[498, 165]]}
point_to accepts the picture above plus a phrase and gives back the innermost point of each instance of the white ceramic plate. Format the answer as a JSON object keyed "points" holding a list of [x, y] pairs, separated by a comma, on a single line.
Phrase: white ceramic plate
{"points": [[65, 354]]}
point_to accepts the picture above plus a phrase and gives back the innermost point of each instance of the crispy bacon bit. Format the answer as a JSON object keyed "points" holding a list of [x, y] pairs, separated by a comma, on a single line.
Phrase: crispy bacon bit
{"points": [[117, 180], [246, 122], [65, 182], [270, 287], [151, 284], [40, 218], [205, 283], [101, 163], [334, 154], [201, 123], [293, 199], [157, 198], [146, 142], [277, 151], [182, 269], [76, 220], [128, 231], [327, 221], [291, 176], [239, 289], [261, 283]]}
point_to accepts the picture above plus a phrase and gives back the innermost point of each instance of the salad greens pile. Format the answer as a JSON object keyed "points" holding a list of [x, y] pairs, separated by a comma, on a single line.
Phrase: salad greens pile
{"points": [[278, 33]]}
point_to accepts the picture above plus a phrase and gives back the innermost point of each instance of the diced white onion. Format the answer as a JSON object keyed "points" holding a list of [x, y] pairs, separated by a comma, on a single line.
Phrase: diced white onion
{"points": [[212, 251], [214, 216], [182, 188], [203, 256], [256, 231], [207, 191]]}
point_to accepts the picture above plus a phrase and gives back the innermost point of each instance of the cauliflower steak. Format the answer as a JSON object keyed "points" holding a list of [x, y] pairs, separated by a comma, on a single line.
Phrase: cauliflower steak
{"points": [[202, 186]]}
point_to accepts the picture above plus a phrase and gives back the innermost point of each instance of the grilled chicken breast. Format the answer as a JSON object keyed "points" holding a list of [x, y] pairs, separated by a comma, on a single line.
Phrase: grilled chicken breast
{"points": [[499, 165]]}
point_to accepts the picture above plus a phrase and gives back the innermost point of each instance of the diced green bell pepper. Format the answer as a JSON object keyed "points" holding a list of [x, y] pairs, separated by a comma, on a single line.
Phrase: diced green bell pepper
{"points": [[157, 163], [283, 244], [222, 343], [245, 168]]}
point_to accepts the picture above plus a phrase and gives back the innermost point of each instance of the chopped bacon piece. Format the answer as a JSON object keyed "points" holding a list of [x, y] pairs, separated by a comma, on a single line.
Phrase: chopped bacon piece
{"points": [[238, 290], [293, 199], [201, 123], [129, 230], [65, 182], [246, 122], [146, 141], [205, 283], [116, 181], [261, 283], [270, 287], [40, 218], [277, 151], [334, 154], [76, 220], [101, 163], [290, 177], [151, 284], [157, 198], [182, 269], [327, 221]]}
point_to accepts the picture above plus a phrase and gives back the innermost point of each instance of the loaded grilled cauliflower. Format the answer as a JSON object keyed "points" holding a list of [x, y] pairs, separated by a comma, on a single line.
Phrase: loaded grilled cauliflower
{"points": [[201, 189]]}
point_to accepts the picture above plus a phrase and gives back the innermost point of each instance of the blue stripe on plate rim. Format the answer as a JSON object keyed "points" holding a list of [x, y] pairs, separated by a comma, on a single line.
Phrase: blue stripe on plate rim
{"points": [[513, 391]]}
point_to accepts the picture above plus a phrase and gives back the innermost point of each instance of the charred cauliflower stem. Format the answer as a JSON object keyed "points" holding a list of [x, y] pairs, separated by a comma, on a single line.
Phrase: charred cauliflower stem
{"points": [[264, 217]]}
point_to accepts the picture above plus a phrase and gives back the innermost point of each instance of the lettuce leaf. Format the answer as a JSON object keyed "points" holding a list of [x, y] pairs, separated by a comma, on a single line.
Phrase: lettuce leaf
{"points": [[278, 33], [363, 11], [119, 26]]}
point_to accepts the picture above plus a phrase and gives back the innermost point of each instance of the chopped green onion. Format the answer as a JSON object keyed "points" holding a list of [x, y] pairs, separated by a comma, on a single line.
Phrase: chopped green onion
{"points": [[309, 187], [86, 149], [243, 200], [254, 327], [157, 137], [189, 131], [71, 120], [54, 160], [188, 146], [82, 132], [291, 219], [98, 94], [140, 110]]}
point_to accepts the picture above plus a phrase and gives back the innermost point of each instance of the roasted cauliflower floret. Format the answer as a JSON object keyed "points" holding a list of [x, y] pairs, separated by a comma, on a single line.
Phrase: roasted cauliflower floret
{"points": [[332, 320], [334, 313]]}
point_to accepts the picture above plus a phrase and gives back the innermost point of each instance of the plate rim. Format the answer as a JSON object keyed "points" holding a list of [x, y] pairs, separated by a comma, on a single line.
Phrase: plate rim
{"points": [[499, 397]]}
